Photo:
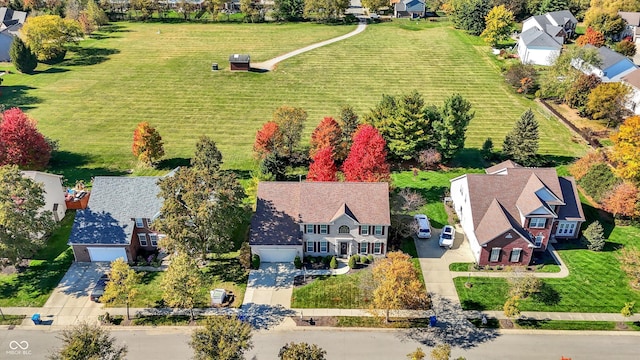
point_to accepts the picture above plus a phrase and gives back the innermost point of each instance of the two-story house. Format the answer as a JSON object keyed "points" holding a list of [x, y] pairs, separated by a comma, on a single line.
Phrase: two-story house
{"points": [[319, 219], [53, 192], [511, 211], [542, 37], [117, 221]]}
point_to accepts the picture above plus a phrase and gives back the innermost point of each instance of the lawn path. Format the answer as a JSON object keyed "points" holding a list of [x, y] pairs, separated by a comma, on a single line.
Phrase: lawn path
{"points": [[270, 65]]}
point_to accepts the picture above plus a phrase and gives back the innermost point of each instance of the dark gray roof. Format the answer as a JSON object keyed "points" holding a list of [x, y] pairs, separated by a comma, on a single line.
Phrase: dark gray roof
{"points": [[572, 211], [562, 16], [535, 37], [10, 17], [608, 56], [239, 58], [114, 203]]}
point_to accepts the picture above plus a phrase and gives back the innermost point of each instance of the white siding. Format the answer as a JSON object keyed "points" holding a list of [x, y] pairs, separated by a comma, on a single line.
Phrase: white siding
{"points": [[536, 56], [53, 192], [462, 206], [277, 253]]}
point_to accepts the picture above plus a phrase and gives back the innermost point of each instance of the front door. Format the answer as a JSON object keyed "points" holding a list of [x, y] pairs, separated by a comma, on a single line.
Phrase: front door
{"points": [[343, 248]]}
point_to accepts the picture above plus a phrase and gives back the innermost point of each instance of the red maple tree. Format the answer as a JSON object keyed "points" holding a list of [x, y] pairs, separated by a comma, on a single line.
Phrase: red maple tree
{"points": [[20, 142], [622, 200], [327, 134], [367, 159], [268, 139], [323, 168]]}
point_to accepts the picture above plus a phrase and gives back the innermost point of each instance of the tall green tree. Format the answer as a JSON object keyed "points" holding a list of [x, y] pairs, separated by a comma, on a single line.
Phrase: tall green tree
{"points": [[559, 77], [22, 224], [498, 25], [122, 285], [324, 10], [349, 122], [451, 127], [21, 56], [469, 15], [221, 338], [289, 10], [290, 121], [48, 35], [301, 351], [553, 5], [181, 283], [521, 143], [207, 157], [88, 342], [374, 5]]}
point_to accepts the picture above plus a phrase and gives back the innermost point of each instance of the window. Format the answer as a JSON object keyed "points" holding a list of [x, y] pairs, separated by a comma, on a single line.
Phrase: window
{"points": [[324, 246], [377, 248], [309, 246], [143, 239], [309, 229], [495, 254], [364, 230], [344, 229], [364, 247], [55, 207], [377, 230], [324, 229], [515, 255], [139, 223], [154, 239], [538, 223], [539, 240]]}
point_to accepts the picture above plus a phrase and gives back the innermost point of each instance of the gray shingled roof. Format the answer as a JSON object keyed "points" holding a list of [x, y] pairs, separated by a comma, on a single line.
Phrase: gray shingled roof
{"points": [[239, 58], [608, 56], [632, 18], [535, 37], [282, 206], [572, 211], [114, 203], [562, 16]]}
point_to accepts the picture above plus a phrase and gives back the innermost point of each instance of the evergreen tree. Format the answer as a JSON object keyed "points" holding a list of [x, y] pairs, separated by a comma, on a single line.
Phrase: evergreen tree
{"points": [[21, 56], [553, 5], [521, 143], [450, 129]]}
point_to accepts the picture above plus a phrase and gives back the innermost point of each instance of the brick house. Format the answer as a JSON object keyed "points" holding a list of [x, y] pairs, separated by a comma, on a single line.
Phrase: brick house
{"points": [[511, 212], [117, 220], [319, 219]]}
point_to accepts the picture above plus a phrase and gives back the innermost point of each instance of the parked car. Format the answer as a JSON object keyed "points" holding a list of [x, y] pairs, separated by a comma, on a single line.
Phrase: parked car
{"points": [[423, 227], [98, 289], [447, 236]]}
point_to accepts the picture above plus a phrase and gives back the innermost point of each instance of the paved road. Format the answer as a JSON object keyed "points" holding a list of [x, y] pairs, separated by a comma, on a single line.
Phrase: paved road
{"points": [[172, 344]]}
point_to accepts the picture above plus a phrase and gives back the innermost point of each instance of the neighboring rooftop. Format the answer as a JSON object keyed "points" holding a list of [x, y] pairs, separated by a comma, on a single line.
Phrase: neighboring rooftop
{"points": [[535, 37], [632, 18], [608, 56], [633, 78]]}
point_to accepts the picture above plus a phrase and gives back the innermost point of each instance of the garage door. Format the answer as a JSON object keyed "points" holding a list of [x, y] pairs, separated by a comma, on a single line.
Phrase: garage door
{"points": [[106, 253], [277, 255]]}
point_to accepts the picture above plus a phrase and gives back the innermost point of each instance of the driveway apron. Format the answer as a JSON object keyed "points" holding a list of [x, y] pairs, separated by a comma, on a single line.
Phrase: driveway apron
{"points": [[271, 285]]}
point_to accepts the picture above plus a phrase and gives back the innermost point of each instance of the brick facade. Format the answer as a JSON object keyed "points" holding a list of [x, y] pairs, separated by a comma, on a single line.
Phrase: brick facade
{"points": [[506, 246]]}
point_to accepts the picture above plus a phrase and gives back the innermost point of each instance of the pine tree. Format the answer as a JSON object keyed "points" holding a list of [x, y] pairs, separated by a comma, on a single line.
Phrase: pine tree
{"points": [[451, 128], [521, 143], [553, 5], [21, 56], [323, 168]]}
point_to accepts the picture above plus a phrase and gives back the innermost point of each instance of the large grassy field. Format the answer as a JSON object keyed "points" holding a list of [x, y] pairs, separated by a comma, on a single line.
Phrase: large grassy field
{"points": [[161, 73]]}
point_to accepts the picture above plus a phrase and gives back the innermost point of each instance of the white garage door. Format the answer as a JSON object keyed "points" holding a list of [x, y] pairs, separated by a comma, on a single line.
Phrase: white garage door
{"points": [[106, 253], [277, 255]]}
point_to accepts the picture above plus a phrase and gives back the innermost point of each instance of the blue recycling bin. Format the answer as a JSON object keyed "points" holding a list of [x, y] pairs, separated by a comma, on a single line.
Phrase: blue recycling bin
{"points": [[433, 320], [36, 319]]}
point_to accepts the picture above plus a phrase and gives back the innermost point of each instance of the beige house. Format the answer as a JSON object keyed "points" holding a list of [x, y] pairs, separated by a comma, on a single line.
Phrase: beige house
{"points": [[319, 219], [53, 192]]}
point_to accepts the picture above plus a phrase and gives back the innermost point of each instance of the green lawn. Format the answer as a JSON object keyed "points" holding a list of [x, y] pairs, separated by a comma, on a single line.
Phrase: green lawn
{"points": [[547, 268], [92, 101], [11, 319], [225, 272], [331, 292], [33, 286]]}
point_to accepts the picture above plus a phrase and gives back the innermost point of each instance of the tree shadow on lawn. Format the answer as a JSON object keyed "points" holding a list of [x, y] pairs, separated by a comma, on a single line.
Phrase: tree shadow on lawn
{"points": [[547, 295], [71, 166], [17, 96], [226, 270], [88, 56], [172, 163], [114, 28], [51, 70]]}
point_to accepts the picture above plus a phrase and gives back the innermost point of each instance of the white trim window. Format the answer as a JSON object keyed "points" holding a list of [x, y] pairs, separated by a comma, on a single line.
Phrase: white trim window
{"points": [[324, 229], [515, 255], [377, 230], [308, 229], [539, 240], [154, 239], [324, 246], [377, 248], [364, 230], [344, 229], [139, 223], [309, 246], [537, 223], [566, 229], [142, 237], [495, 254], [364, 247]]}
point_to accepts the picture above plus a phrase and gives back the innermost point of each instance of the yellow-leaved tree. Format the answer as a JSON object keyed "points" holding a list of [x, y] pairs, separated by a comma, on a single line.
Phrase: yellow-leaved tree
{"points": [[626, 149], [48, 35], [396, 286], [122, 285], [498, 25]]}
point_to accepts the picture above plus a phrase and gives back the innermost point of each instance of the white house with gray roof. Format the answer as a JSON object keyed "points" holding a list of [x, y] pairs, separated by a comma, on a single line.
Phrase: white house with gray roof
{"points": [[613, 68], [117, 221], [10, 23], [542, 37]]}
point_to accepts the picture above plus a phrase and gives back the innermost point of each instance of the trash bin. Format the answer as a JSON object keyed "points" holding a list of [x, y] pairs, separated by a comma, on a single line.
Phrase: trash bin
{"points": [[36, 319], [433, 320], [214, 66]]}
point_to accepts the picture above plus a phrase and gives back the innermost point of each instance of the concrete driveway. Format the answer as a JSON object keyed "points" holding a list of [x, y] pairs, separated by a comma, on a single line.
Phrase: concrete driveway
{"points": [[272, 284], [435, 261], [69, 302]]}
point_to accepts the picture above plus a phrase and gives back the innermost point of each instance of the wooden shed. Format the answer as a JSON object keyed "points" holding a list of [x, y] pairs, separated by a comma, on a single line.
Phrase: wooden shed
{"points": [[240, 62]]}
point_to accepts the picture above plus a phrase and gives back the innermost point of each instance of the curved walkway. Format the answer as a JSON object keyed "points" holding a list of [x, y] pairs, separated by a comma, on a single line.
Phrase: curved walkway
{"points": [[269, 65]]}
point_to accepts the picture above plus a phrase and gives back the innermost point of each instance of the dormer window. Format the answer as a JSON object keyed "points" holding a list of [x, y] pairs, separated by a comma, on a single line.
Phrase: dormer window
{"points": [[344, 229], [537, 223], [139, 223]]}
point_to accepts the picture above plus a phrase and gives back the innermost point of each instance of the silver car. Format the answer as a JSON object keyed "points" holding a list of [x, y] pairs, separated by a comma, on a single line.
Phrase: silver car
{"points": [[447, 236]]}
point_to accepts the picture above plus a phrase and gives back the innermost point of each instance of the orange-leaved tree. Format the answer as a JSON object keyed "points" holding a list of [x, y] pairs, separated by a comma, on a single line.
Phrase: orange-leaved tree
{"points": [[326, 134], [580, 168], [323, 168], [626, 147], [367, 159], [268, 140], [591, 36], [397, 285], [147, 144], [622, 200]]}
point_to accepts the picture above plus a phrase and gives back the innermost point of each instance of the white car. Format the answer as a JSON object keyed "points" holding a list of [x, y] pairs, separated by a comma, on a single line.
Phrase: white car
{"points": [[447, 236], [423, 228]]}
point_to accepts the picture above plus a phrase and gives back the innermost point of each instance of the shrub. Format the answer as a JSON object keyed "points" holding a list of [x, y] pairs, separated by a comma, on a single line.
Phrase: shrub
{"points": [[517, 73], [598, 181], [370, 257], [626, 48], [255, 261], [628, 310], [334, 263], [357, 257], [319, 259], [352, 262], [429, 158], [581, 167], [487, 149], [594, 236], [312, 259], [364, 259], [327, 260], [244, 255], [297, 262]]}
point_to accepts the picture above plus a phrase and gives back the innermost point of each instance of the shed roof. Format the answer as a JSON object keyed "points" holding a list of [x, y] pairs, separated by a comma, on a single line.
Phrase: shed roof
{"points": [[239, 58]]}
